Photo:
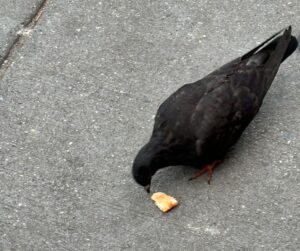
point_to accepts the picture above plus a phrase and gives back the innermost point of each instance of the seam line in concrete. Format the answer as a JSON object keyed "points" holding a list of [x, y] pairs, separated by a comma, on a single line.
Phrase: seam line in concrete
{"points": [[5, 62]]}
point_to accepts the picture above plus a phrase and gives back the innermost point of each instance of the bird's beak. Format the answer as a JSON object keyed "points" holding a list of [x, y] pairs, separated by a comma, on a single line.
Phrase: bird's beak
{"points": [[147, 188]]}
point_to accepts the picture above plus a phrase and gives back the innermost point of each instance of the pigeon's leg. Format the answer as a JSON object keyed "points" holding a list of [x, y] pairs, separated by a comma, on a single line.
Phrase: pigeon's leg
{"points": [[209, 169]]}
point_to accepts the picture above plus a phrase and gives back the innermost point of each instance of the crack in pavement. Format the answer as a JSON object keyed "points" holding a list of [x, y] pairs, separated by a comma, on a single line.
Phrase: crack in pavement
{"points": [[28, 26]]}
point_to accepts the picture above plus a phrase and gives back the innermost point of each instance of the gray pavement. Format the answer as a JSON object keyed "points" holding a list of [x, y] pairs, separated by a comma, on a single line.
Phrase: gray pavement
{"points": [[14, 16], [77, 102]]}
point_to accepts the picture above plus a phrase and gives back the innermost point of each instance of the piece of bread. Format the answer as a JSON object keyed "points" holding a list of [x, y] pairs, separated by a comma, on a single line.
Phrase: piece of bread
{"points": [[164, 201]]}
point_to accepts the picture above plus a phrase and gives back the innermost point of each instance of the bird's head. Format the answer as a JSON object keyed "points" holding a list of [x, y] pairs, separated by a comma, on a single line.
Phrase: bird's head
{"points": [[142, 175], [143, 169]]}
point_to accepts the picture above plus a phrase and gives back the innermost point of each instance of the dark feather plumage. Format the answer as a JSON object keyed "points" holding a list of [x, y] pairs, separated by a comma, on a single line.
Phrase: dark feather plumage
{"points": [[198, 123]]}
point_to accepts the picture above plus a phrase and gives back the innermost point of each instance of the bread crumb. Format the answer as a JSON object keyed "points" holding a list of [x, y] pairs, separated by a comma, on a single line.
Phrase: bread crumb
{"points": [[164, 202]]}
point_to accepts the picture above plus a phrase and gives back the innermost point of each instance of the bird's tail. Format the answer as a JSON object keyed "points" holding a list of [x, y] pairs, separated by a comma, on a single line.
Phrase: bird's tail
{"points": [[293, 44], [271, 53], [274, 50], [280, 48]]}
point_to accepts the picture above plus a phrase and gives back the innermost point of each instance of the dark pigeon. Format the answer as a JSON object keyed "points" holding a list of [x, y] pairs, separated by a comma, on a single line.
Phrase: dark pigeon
{"points": [[197, 124]]}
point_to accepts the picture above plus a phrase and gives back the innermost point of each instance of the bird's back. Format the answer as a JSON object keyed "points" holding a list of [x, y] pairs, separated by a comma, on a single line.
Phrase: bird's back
{"points": [[212, 113]]}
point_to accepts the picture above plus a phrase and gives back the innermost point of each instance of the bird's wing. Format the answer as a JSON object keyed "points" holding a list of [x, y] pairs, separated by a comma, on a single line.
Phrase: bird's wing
{"points": [[221, 115], [172, 118], [235, 64], [216, 109], [206, 107]]}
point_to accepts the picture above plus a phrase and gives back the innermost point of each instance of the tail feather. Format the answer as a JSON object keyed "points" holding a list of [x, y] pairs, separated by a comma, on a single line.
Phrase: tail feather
{"points": [[291, 48], [259, 47], [277, 55], [274, 50], [271, 54]]}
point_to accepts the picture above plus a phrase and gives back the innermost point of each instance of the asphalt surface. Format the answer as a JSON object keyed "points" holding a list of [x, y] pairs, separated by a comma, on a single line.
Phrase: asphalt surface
{"points": [[77, 99], [15, 15]]}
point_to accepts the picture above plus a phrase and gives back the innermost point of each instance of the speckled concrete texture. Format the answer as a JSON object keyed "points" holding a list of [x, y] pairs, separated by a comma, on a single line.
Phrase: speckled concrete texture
{"points": [[78, 101], [14, 15]]}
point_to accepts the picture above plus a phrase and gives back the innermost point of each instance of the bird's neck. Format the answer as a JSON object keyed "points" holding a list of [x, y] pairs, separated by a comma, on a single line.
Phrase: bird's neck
{"points": [[161, 155]]}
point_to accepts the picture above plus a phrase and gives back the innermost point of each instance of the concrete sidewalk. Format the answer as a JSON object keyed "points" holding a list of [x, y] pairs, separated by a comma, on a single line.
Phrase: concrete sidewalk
{"points": [[14, 16], [77, 101]]}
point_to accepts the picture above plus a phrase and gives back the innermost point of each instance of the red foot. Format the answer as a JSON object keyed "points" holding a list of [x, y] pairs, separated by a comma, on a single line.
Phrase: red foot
{"points": [[209, 168]]}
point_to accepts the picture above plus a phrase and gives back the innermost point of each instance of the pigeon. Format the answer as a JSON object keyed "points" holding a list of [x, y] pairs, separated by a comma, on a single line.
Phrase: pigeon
{"points": [[199, 123]]}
